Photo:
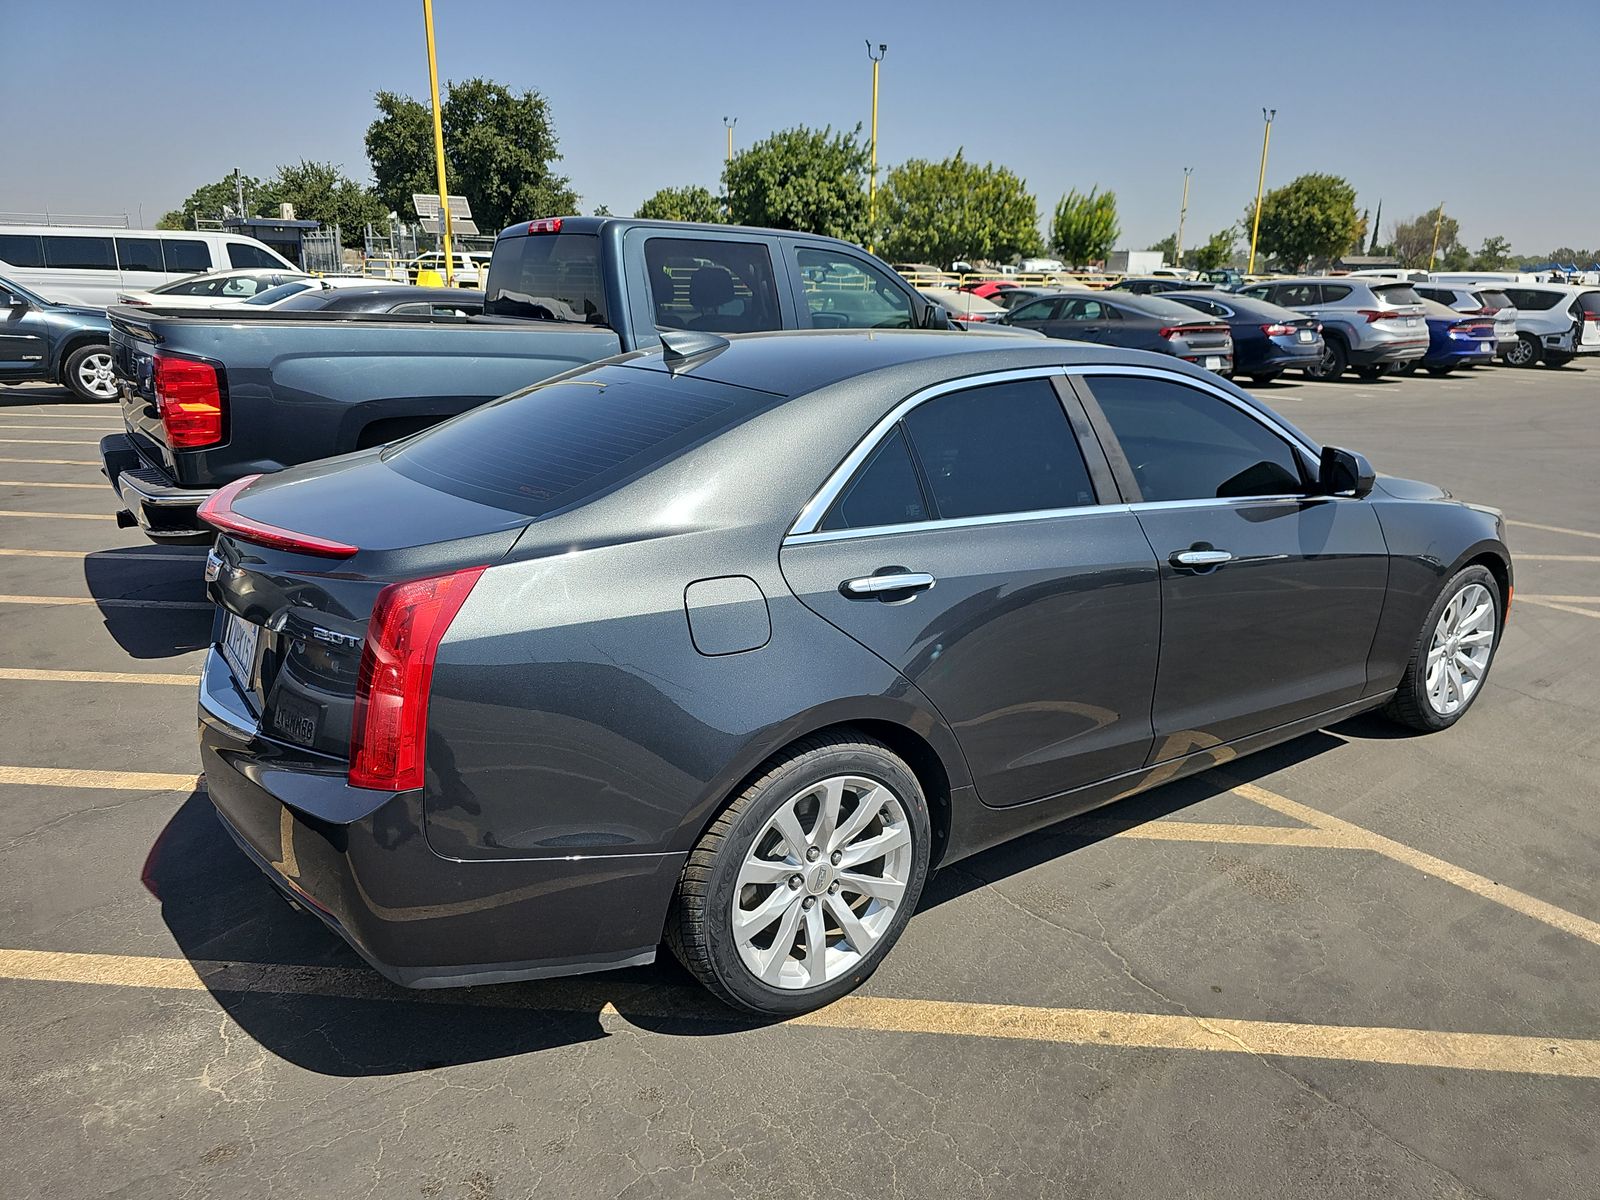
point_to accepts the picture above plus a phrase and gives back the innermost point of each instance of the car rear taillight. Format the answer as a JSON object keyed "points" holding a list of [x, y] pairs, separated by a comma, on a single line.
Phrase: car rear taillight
{"points": [[219, 513], [388, 730], [1378, 314], [189, 399], [1591, 316], [1277, 330], [1172, 331], [545, 225]]}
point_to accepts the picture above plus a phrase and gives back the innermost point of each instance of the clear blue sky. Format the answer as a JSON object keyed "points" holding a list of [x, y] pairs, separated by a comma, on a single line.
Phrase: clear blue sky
{"points": [[113, 106]]}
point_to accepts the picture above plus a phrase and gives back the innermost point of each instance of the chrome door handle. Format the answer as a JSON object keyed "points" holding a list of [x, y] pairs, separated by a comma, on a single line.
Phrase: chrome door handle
{"points": [[873, 585], [1201, 558]]}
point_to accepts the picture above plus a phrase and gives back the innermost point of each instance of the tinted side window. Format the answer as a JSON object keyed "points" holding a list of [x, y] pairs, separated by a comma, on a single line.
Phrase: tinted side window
{"points": [[1259, 293], [79, 253], [186, 254], [1184, 444], [884, 491], [1295, 295], [21, 250], [1332, 293], [1532, 301], [242, 254], [845, 292], [1037, 310], [720, 287], [139, 254], [999, 448]]}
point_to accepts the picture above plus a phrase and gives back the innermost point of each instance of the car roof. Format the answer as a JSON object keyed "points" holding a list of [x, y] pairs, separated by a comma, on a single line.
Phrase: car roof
{"points": [[354, 297]]}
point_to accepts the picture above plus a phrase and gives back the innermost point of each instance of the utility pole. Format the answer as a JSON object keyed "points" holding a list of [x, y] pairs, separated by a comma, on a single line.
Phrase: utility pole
{"points": [[238, 193], [1177, 251], [438, 146], [1438, 223], [728, 124], [1267, 114], [872, 179]]}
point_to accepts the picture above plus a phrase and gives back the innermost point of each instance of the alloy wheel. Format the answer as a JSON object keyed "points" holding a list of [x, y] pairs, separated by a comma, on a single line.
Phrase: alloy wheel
{"points": [[96, 376], [822, 882], [1520, 353], [1458, 655]]}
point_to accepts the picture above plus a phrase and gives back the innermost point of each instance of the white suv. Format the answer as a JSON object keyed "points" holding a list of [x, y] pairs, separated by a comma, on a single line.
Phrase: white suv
{"points": [[1556, 322]]}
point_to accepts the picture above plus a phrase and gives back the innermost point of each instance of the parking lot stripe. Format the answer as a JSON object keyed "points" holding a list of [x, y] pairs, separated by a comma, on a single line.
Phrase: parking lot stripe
{"points": [[8, 512], [53, 462], [1540, 602], [1560, 599], [40, 483], [1505, 1053], [42, 442], [109, 602], [115, 781], [1202, 831], [109, 555], [33, 675], [1588, 558], [62, 428], [1553, 529], [1418, 860]]}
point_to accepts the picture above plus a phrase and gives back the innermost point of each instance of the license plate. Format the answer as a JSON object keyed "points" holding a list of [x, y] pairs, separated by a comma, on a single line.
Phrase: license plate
{"points": [[239, 639], [1411, 322], [296, 722], [1212, 363], [1303, 336], [1486, 347]]}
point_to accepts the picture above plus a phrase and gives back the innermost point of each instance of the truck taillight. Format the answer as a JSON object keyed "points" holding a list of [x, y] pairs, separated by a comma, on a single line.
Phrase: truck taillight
{"points": [[545, 225], [189, 399], [1378, 314], [389, 728]]}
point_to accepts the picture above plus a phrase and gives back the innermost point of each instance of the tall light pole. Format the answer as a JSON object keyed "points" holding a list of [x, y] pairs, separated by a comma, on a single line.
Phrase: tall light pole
{"points": [[1183, 211], [1255, 226], [728, 123], [872, 179], [438, 145], [1438, 223]]}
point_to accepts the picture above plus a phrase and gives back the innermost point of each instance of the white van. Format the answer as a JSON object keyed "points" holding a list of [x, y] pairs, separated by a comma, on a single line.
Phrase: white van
{"points": [[79, 264]]}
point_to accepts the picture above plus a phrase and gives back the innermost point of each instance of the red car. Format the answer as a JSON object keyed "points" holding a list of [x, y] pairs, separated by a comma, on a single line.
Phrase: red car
{"points": [[987, 288]]}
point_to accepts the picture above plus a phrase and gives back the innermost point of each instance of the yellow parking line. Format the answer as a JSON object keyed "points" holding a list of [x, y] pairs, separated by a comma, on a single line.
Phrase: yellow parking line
{"points": [[30, 674], [1202, 831], [42, 442], [1566, 608], [1506, 1053], [1591, 558], [94, 487], [9, 512], [115, 781], [1417, 860], [54, 462], [1553, 529], [110, 602], [108, 555]]}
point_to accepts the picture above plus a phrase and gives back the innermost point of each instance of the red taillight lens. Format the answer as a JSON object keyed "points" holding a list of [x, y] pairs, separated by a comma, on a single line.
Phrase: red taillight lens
{"points": [[218, 512], [388, 731], [1277, 330], [1591, 316], [189, 399], [545, 225], [1378, 314]]}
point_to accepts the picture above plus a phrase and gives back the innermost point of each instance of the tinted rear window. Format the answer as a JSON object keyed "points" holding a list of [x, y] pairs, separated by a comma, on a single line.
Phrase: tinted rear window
{"points": [[1400, 293], [1589, 302], [561, 442], [21, 250], [548, 276], [187, 254], [1494, 301]]}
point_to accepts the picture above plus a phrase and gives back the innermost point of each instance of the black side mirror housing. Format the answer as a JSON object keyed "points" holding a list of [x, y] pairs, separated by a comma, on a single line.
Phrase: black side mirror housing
{"points": [[936, 317], [1344, 473]]}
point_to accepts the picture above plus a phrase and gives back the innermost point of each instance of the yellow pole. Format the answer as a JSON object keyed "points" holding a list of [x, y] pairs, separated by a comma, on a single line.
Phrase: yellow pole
{"points": [[1183, 211], [1261, 179], [1437, 224], [438, 146], [872, 179], [729, 126]]}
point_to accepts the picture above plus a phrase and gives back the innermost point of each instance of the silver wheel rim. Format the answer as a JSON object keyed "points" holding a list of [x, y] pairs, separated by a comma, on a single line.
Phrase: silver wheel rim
{"points": [[1458, 656], [96, 376], [1520, 353], [822, 882]]}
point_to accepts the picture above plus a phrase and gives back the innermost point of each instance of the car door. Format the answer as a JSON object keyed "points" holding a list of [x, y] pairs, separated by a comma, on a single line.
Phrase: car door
{"points": [[1086, 319], [1270, 595], [23, 344], [1036, 314], [965, 542]]}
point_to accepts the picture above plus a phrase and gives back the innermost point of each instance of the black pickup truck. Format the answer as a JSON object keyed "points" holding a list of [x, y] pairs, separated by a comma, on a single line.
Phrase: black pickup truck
{"points": [[211, 397]]}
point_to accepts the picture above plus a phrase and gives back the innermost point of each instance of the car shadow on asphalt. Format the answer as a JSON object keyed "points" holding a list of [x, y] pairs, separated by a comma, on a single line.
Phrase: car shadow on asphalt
{"points": [[149, 573], [220, 909]]}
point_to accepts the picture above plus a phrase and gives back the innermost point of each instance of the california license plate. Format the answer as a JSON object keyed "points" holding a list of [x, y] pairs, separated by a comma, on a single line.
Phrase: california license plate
{"points": [[1213, 363], [1486, 347], [239, 639], [1303, 336]]}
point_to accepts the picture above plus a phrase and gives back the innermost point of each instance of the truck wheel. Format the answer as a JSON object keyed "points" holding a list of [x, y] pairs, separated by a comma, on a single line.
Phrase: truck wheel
{"points": [[1524, 352], [1334, 362], [87, 372]]}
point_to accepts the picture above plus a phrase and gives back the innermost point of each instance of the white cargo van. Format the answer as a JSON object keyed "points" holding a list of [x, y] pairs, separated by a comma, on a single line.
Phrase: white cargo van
{"points": [[80, 264]]}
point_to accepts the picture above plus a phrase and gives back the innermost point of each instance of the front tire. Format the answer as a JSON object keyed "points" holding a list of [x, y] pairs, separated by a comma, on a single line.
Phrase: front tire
{"points": [[799, 888], [1524, 352], [87, 372], [1453, 653]]}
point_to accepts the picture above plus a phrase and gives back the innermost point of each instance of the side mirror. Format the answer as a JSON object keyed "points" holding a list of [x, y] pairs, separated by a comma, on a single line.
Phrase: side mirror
{"points": [[14, 302], [1344, 472], [936, 317]]}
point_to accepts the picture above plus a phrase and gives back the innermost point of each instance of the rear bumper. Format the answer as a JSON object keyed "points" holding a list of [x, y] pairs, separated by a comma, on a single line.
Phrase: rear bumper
{"points": [[1383, 353], [360, 861], [165, 511]]}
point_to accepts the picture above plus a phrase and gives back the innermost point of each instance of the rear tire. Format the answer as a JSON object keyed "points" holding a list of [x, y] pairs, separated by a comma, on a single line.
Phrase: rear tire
{"points": [[1425, 701], [1335, 361], [746, 864], [87, 373], [1265, 377], [1524, 352], [1405, 368]]}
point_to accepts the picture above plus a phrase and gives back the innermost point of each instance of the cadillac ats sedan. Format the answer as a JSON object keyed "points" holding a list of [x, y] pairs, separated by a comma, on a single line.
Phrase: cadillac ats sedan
{"points": [[726, 645]]}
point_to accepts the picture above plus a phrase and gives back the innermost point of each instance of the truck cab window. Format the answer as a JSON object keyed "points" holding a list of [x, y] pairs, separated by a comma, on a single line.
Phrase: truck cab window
{"points": [[710, 284]]}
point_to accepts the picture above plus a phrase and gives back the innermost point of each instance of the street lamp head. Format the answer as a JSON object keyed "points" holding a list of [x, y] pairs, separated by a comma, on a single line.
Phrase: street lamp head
{"points": [[1267, 114], [883, 48]]}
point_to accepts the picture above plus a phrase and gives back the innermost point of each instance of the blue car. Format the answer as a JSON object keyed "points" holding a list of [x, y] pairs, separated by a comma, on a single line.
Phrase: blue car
{"points": [[1267, 339], [1455, 339], [56, 343]]}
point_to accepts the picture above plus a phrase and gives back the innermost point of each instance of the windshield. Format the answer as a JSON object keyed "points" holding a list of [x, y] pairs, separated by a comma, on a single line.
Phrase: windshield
{"points": [[273, 295], [550, 277]]}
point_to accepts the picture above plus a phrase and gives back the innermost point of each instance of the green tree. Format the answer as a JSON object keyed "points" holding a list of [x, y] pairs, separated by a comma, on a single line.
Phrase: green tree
{"points": [[1168, 247], [813, 180], [1493, 255], [320, 191], [1217, 251], [1310, 218], [681, 204], [939, 212], [1085, 228], [209, 201], [500, 151], [1413, 239]]}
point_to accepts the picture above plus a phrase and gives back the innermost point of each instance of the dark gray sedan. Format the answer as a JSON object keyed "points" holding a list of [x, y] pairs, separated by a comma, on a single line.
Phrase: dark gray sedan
{"points": [[728, 645], [1136, 322]]}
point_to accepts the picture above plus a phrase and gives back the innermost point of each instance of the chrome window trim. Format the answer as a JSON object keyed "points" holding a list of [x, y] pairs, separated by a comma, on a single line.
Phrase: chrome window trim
{"points": [[804, 529]]}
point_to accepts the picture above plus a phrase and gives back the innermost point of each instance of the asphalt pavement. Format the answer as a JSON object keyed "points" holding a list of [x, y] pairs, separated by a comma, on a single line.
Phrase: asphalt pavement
{"points": [[1360, 964]]}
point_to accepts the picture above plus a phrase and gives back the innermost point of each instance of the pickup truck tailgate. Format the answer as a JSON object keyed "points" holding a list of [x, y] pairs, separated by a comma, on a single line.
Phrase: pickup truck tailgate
{"points": [[132, 358]]}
